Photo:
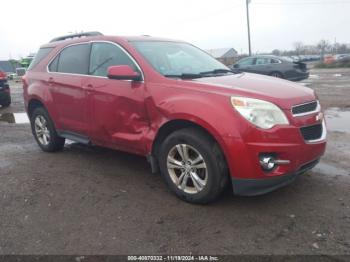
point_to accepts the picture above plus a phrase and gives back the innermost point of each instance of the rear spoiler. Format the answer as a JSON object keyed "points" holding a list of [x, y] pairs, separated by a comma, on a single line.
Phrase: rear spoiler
{"points": [[65, 37]]}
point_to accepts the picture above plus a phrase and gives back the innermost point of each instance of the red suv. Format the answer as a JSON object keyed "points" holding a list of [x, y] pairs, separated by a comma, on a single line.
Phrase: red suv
{"points": [[201, 124]]}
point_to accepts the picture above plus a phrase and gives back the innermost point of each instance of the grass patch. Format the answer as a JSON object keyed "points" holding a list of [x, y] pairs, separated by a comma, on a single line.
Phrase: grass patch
{"points": [[333, 65]]}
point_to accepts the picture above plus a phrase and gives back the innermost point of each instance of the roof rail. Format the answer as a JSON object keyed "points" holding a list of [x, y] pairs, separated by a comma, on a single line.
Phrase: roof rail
{"points": [[61, 38]]}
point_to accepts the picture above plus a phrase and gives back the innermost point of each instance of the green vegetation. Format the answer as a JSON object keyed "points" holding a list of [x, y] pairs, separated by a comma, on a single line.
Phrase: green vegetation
{"points": [[333, 65], [25, 62]]}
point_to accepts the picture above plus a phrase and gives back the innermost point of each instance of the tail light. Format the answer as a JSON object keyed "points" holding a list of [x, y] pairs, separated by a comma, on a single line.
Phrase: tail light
{"points": [[3, 75]]}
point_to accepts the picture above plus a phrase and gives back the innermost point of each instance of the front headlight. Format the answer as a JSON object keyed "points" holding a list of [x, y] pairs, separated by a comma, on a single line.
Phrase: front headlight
{"points": [[261, 113]]}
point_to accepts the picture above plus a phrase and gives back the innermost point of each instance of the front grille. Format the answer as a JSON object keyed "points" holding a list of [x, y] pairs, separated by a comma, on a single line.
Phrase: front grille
{"points": [[312, 132], [304, 108]]}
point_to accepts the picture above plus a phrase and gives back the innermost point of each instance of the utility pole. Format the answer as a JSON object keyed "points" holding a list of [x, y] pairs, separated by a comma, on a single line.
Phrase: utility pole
{"points": [[250, 48]]}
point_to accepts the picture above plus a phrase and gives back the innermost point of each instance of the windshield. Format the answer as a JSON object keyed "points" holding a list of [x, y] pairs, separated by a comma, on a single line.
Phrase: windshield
{"points": [[176, 59]]}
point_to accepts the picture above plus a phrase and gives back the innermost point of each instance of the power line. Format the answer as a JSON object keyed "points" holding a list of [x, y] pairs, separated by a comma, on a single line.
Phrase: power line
{"points": [[300, 3]]}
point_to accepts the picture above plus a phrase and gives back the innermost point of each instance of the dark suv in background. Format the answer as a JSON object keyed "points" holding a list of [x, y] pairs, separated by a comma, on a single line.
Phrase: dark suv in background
{"points": [[5, 97]]}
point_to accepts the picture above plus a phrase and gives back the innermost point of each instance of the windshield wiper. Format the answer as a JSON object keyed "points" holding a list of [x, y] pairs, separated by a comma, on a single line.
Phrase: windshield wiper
{"points": [[217, 71], [186, 76], [202, 74]]}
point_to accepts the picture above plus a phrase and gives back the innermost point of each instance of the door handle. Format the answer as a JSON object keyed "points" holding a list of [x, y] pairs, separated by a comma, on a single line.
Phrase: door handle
{"points": [[89, 87], [50, 81]]}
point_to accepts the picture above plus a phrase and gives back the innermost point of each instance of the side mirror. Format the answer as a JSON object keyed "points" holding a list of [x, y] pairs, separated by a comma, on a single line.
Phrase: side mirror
{"points": [[236, 66], [123, 72]]}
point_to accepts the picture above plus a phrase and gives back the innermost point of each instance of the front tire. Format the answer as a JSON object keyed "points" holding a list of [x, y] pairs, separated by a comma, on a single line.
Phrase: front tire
{"points": [[193, 166], [44, 131]]}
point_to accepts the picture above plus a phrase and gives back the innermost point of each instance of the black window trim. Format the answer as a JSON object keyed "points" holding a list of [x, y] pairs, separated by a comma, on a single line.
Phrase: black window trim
{"points": [[279, 61], [262, 57], [58, 55], [90, 43]]}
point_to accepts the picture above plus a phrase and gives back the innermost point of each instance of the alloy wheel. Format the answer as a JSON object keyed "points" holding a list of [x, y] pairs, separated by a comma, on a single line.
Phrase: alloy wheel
{"points": [[41, 130], [187, 168]]}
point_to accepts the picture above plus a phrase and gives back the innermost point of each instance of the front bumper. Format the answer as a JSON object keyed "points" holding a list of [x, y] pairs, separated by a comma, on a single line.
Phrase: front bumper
{"points": [[284, 142], [254, 187]]}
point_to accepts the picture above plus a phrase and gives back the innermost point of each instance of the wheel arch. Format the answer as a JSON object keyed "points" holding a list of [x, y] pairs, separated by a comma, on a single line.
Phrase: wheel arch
{"points": [[278, 72], [33, 104], [176, 124]]}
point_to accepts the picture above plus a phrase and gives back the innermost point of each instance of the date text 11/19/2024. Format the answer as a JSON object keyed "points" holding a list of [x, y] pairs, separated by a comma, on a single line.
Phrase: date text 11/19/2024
{"points": [[173, 258]]}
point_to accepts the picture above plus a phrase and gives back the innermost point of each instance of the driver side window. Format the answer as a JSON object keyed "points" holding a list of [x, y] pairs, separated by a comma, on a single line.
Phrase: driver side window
{"points": [[104, 55]]}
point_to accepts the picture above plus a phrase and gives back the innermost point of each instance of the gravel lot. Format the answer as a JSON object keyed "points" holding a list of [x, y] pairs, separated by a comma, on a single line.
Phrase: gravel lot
{"points": [[90, 200]]}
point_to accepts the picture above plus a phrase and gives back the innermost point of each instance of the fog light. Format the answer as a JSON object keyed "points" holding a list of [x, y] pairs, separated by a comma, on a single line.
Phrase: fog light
{"points": [[267, 162]]}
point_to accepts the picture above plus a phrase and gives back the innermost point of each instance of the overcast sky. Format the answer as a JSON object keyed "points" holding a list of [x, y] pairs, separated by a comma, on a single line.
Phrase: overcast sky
{"points": [[25, 25]]}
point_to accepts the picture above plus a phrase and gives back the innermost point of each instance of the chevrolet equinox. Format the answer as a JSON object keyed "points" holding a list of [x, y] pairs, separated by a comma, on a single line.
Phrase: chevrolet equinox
{"points": [[202, 125]]}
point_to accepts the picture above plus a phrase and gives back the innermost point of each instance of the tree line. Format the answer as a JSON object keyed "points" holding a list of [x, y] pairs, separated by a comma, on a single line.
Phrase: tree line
{"points": [[321, 48]]}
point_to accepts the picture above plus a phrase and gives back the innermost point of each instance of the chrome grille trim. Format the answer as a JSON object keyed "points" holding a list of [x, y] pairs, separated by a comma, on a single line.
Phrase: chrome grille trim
{"points": [[317, 109]]}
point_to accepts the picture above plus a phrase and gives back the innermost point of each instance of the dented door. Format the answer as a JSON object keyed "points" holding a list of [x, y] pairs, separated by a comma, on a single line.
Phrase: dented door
{"points": [[119, 117]]}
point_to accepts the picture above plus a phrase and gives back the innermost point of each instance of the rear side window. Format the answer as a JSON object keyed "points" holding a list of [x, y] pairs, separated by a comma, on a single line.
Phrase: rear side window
{"points": [[74, 59], [42, 53], [262, 61], [274, 61], [54, 64]]}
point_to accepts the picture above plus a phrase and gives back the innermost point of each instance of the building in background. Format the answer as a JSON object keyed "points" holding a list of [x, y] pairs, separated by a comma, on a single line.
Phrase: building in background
{"points": [[225, 55], [7, 67]]}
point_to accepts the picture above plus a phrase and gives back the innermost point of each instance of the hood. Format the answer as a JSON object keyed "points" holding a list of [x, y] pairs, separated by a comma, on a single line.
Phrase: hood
{"points": [[281, 92]]}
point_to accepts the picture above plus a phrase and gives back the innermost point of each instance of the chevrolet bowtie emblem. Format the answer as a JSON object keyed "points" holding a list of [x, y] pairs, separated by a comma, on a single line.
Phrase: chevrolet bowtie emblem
{"points": [[319, 116]]}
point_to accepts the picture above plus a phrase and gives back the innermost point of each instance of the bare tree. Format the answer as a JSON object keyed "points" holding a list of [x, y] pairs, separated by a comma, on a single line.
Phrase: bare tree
{"points": [[299, 47], [276, 52], [343, 48], [335, 48], [323, 46]]}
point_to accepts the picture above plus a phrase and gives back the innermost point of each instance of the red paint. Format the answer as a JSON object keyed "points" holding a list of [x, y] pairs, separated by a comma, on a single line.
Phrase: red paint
{"points": [[3, 75], [127, 115]]}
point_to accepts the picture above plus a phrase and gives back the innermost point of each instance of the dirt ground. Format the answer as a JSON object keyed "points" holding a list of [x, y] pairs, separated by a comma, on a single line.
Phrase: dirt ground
{"points": [[89, 200]]}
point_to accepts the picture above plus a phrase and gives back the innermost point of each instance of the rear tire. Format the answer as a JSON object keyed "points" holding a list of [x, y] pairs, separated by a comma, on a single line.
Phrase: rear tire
{"points": [[193, 166], [44, 131]]}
